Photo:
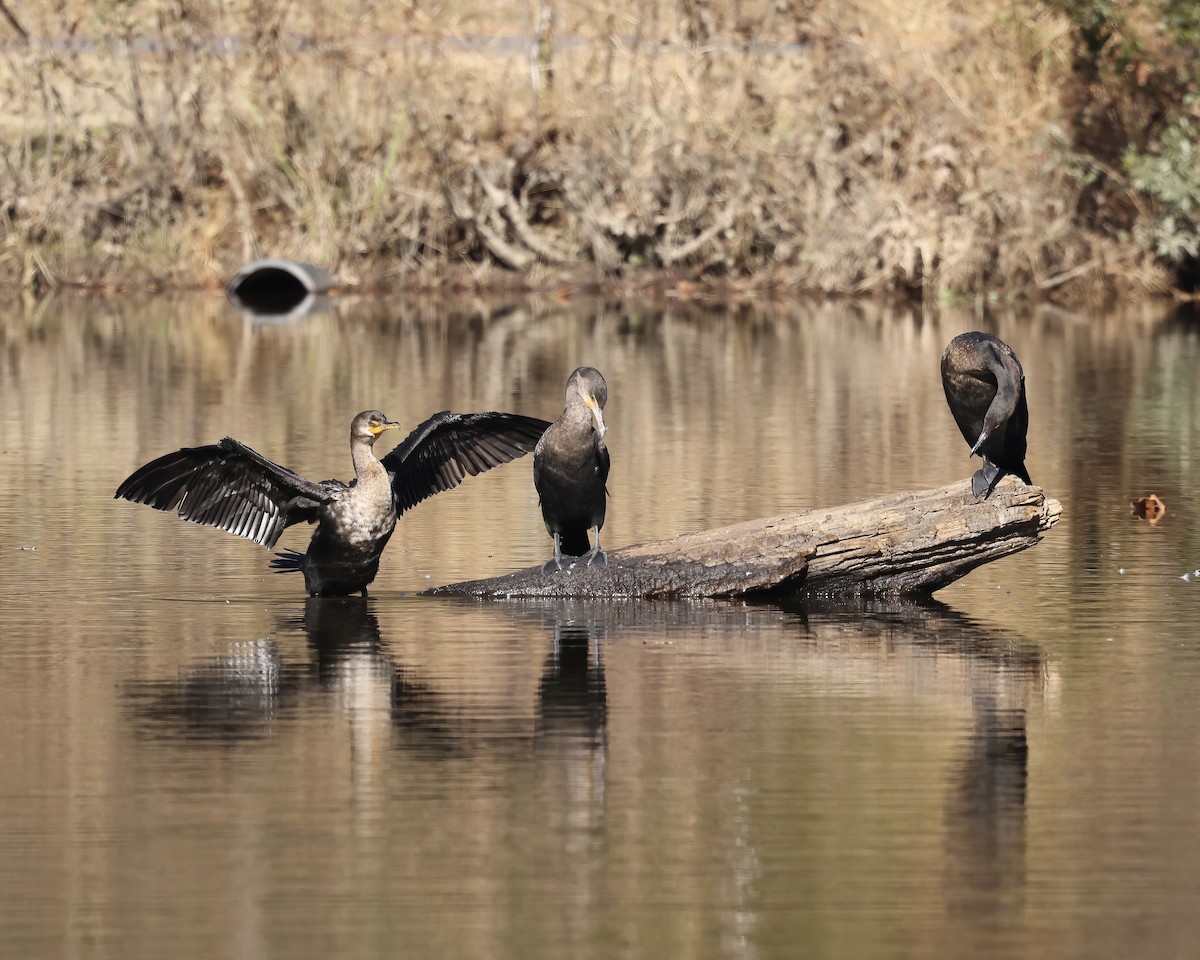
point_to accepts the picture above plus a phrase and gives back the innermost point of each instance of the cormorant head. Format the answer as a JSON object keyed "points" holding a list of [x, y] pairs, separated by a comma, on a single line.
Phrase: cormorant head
{"points": [[588, 384], [369, 424]]}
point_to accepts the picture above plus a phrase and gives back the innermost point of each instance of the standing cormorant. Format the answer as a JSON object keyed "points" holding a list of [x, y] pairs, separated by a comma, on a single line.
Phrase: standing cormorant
{"points": [[985, 388], [228, 485], [570, 467]]}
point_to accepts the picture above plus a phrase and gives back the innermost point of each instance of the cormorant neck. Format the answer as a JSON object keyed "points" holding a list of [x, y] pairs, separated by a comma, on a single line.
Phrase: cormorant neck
{"points": [[577, 415], [1004, 403], [366, 464]]}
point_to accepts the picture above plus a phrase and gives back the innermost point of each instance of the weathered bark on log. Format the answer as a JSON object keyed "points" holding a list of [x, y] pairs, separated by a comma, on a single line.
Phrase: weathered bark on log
{"points": [[902, 544]]}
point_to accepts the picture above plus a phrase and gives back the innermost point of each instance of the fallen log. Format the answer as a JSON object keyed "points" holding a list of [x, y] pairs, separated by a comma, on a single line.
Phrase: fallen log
{"points": [[906, 544]]}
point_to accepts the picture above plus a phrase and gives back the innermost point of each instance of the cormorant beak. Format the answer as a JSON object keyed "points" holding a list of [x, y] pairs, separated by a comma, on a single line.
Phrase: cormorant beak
{"points": [[597, 414], [979, 443], [387, 425]]}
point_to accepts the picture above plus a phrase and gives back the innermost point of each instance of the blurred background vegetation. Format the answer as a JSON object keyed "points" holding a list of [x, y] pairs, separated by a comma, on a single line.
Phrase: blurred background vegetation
{"points": [[939, 150]]}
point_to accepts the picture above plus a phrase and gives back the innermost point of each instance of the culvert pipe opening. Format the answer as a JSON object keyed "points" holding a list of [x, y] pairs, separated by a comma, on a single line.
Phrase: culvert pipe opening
{"points": [[276, 287]]}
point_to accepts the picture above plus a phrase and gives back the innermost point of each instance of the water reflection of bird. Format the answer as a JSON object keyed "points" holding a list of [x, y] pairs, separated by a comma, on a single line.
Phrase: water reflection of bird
{"points": [[571, 743], [227, 698], [986, 809], [230, 486], [985, 388], [572, 702], [338, 633], [570, 467]]}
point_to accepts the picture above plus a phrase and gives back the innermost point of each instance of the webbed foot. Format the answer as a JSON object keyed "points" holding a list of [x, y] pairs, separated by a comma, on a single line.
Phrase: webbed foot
{"points": [[553, 565], [985, 479], [595, 558]]}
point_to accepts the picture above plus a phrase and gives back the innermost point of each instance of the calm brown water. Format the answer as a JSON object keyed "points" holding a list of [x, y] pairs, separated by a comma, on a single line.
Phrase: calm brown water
{"points": [[198, 762]]}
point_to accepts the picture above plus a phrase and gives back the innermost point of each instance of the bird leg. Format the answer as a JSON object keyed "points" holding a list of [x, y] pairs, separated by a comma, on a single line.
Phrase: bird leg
{"points": [[595, 557], [985, 479], [554, 564]]}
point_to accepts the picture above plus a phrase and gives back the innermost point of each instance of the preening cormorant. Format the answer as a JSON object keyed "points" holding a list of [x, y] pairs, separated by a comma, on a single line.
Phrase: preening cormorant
{"points": [[230, 486], [570, 467], [985, 388]]}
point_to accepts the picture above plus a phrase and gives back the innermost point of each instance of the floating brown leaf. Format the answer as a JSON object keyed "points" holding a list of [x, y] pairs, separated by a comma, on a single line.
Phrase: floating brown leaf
{"points": [[1150, 508]]}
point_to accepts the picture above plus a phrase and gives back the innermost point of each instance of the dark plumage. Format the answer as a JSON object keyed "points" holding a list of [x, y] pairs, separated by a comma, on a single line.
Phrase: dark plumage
{"points": [[230, 486], [570, 467], [985, 388]]}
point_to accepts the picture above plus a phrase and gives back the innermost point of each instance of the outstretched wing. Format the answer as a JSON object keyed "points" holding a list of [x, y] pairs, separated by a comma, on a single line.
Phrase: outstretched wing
{"points": [[227, 485], [447, 447]]}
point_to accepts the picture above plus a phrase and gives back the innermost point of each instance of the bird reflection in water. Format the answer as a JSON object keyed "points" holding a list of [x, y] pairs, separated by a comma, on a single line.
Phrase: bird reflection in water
{"points": [[571, 696], [353, 661], [247, 692], [985, 811], [228, 698], [572, 759], [253, 689], [341, 633], [572, 721]]}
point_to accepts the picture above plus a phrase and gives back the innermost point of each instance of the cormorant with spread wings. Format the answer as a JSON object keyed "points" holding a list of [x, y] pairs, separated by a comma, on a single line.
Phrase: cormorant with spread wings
{"points": [[230, 486]]}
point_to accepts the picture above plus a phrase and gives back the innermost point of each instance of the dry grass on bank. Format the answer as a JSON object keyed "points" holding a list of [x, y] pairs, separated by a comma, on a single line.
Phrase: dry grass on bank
{"points": [[852, 147]]}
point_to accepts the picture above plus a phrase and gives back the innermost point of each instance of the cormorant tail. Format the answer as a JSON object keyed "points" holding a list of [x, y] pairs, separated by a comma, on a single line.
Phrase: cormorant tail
{"points": [[289, 561], [573, 542]]}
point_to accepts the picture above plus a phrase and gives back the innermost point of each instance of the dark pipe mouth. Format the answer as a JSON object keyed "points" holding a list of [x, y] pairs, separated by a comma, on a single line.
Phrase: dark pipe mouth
{"points": [[270, 291], [277, 288]]}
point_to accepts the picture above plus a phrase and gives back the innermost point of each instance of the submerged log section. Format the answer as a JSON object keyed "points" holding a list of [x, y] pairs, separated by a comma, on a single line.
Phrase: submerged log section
{"points": [[907, 544]]}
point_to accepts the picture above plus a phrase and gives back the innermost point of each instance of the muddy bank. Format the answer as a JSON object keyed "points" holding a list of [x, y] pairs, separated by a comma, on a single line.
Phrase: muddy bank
{"points": [[687, 148]]}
